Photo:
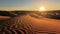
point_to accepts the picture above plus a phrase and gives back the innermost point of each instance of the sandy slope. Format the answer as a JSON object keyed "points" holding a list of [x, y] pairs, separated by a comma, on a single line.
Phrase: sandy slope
{"points": [[43, 24], [39, 24]]}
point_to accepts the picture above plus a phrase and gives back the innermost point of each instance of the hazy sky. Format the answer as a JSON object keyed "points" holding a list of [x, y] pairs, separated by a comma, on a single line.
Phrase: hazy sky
{"points": [[29, 4]]}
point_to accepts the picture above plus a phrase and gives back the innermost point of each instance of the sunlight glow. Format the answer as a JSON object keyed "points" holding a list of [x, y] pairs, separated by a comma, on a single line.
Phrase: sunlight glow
{"points": [[42, 8]]}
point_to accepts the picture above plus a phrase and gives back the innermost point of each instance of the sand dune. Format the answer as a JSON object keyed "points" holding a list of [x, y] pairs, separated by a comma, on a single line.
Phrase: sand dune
{"points": [[28, 24]]}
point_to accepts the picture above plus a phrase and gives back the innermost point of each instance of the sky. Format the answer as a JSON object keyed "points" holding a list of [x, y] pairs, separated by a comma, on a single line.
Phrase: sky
{"points": [[29, 4]]}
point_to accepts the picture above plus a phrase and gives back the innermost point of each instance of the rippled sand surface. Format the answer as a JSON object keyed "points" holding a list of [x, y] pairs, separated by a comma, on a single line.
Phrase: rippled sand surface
{"points": [[28, 24]]}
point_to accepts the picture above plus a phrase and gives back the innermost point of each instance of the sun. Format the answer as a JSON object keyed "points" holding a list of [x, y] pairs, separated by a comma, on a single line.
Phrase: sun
{"points": [[42, 8]]}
